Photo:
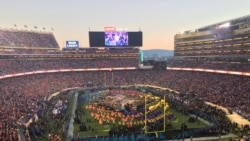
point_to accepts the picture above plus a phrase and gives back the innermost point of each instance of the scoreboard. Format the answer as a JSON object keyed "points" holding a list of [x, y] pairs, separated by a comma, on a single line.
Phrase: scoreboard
{"points": [[115, 37], [72, 44]]}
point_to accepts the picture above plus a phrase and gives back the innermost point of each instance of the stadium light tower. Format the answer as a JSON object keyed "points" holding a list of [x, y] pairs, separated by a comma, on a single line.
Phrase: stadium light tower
{"points": [[225, 25], [181, 31]]}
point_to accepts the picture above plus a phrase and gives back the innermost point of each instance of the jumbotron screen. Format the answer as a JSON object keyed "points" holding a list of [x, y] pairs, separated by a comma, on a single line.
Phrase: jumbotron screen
{"points": [[115, 39]]}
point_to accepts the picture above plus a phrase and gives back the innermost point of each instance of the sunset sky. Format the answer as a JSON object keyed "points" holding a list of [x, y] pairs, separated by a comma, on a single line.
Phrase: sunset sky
{"points": [[159, 20]]}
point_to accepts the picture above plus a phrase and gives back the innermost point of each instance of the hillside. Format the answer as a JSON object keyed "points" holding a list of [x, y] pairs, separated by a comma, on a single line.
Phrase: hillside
{"points": [[158, 53]]}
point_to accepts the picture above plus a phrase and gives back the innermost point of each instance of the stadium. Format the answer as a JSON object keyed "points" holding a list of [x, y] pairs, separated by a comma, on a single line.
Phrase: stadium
{"points": [[107, 92]]}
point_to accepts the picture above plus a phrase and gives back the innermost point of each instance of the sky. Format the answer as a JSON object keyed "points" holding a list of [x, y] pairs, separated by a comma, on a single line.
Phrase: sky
{"points": [[159, 20]]}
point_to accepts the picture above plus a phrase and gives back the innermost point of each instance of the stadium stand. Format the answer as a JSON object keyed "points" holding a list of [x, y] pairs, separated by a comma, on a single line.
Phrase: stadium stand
{"points": [[216, 88], [216, 65], [227, 38], [29, 65], [20, 95], [31, 39]]}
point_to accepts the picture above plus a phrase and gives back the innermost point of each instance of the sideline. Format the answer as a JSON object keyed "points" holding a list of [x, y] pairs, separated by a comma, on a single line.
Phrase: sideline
{"points": [[201, 119], [70, 132], [230, 135]]}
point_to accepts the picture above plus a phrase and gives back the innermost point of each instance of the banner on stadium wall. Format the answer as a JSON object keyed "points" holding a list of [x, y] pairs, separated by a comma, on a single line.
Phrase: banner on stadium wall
{"points": [[113, 29], [109, 29], [72, 44]]}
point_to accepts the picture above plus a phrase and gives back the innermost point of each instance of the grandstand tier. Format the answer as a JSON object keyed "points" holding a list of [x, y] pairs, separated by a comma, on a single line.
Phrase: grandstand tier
{"points": [[228, 38], [12, 38]]}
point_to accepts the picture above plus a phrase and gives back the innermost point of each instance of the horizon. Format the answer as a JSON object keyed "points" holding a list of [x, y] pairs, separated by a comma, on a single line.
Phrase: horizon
{"points": [[159, 20]]}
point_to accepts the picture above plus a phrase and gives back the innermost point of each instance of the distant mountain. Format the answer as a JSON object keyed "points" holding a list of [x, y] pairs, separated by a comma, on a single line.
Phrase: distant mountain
{"points": [[158, 53]]}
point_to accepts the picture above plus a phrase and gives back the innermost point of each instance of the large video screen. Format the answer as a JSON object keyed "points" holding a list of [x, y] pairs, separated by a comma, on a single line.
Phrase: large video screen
{"points": [[72, 44], [115, 39]]}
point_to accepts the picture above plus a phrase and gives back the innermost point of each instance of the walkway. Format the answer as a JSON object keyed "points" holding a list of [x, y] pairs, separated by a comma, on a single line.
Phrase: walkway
{"points": [[210, 138], [71, 122]]}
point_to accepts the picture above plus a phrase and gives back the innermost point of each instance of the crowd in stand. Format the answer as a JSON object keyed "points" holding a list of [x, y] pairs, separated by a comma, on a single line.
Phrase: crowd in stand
{"points": [[34, 51], [29, 65], [20, 95], [228, 66], [18, 38], [22, 51]]}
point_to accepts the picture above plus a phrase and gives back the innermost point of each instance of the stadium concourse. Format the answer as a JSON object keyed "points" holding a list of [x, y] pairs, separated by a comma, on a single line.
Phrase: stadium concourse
{"points": [[21, 94]]}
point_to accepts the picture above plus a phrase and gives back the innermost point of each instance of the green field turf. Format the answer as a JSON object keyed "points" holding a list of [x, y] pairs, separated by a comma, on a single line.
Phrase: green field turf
{"points": [[102, 130], [182, 118]]}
